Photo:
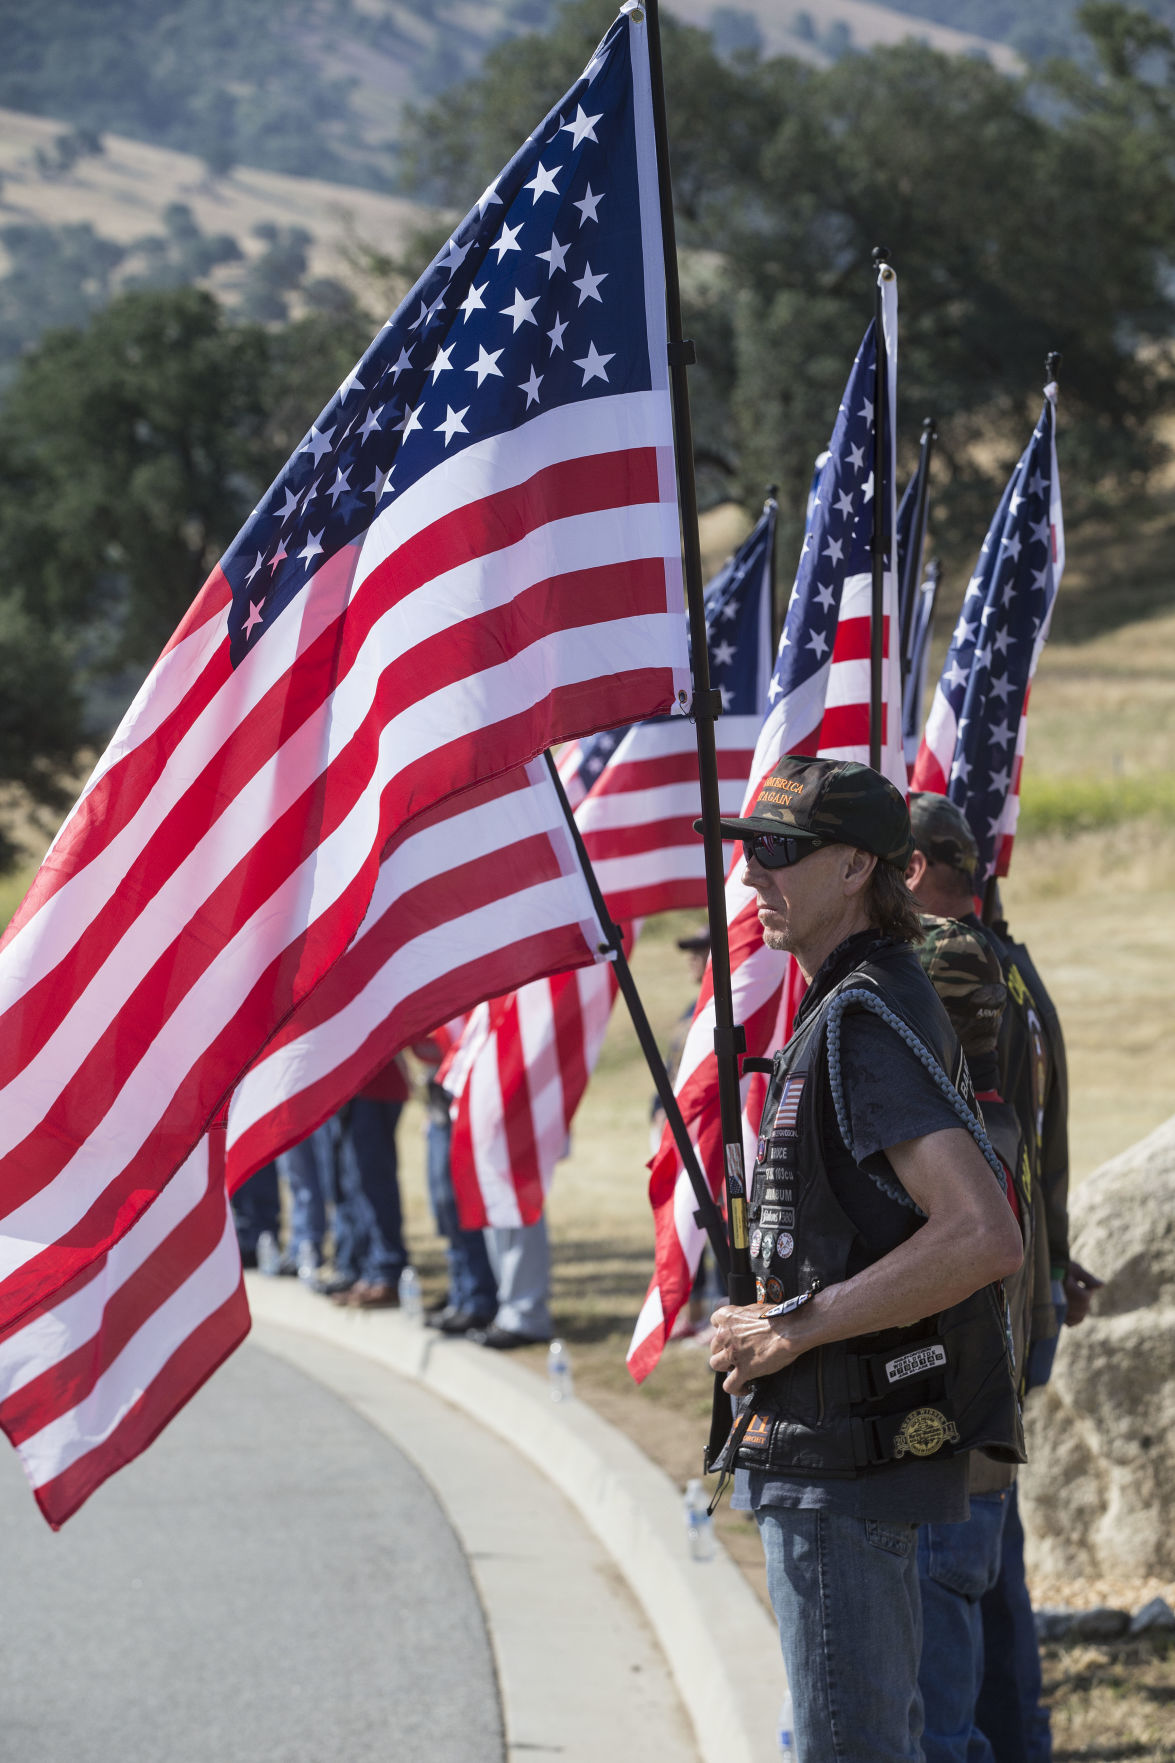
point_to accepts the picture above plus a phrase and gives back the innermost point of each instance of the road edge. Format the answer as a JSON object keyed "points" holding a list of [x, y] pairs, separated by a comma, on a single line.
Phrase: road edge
{"points": [[721, 1646]]}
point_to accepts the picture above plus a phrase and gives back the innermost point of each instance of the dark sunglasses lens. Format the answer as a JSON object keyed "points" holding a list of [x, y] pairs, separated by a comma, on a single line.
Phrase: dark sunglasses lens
{"points": [[773, 850]]}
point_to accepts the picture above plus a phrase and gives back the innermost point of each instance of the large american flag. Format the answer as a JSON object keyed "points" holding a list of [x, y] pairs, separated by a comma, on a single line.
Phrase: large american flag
{"points": [[473, 554], [525, 1060], [819, 704], [973, 748]]}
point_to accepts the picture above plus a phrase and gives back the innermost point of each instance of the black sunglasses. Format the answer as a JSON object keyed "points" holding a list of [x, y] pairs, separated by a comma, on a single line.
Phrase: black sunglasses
{"points": [[779, 850]]}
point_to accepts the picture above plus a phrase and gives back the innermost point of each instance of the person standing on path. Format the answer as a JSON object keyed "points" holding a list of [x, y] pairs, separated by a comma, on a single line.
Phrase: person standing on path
{"points": [[872, 1204]]}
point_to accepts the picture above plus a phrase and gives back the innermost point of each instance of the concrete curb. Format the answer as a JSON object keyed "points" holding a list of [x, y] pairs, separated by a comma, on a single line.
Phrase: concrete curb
{"points": [[721, 1646]]}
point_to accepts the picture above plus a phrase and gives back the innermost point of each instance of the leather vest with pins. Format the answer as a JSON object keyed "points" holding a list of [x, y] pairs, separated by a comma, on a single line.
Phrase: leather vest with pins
{"points": [[942, 1386]]}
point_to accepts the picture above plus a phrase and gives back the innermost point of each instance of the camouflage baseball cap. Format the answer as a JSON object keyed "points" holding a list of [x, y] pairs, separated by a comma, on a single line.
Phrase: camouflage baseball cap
{"points": [[943, 832], [835, 801], [965, 971]]}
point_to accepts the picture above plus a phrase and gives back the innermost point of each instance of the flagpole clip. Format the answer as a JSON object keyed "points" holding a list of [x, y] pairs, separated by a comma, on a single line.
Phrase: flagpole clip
{"points": [[707, 706], [680, 352]]}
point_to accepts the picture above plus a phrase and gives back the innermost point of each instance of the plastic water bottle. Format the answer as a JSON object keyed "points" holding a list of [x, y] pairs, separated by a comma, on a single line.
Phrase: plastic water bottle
{"points": [[411, 1303], [699, 1526], [269, 1256], [559, 1372], [787, 1734]]}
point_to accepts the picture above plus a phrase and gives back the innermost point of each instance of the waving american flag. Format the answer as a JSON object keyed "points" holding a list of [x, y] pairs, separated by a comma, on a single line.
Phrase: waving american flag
{"points": [[973, 749], [472, 554], [525, 1059], [819, 697]]}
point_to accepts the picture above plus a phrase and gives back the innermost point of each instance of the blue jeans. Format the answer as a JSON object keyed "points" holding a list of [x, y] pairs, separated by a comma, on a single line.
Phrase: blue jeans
{"points": [[957, 1564], [845, 1595], [1010, 1710], [308, 1171], [369, 1242], [256, 1206], [472, 1287]]}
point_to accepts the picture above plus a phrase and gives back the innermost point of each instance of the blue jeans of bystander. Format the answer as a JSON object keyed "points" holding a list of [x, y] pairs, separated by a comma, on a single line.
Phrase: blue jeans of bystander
{"points": [[472, 1287], [845, 1595], [1010, 1710], [369, 1243], [957, 1564]]}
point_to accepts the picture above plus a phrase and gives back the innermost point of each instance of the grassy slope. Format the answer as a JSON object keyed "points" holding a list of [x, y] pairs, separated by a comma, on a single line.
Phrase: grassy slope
{"points": [[122, 194]]}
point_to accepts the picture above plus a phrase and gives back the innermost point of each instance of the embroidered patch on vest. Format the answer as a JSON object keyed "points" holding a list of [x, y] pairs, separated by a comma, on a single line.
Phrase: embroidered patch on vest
{"points": [[789, 1107], [914, 1364], [785, 1246], [924, 1431], [772, 1217]]}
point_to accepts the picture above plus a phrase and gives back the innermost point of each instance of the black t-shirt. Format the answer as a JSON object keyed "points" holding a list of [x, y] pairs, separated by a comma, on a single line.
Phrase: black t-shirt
{"points": [[890, 1098]]}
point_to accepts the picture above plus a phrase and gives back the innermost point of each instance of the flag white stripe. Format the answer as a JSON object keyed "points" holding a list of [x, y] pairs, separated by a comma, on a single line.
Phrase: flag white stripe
{"points": [[487, 1120]]}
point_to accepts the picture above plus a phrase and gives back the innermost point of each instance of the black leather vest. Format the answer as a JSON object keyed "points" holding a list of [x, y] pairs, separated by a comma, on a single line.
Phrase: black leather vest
{"points": [[943, 1385]]}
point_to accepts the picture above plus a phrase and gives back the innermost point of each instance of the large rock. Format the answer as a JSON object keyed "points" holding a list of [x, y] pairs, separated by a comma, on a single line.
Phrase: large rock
{"points": [[1099, 1489]]}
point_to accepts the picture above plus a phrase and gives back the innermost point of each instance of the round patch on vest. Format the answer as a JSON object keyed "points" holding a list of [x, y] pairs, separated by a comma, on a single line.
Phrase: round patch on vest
{"points": [[924, 1431], [785, 1245], [772, 1290], [760, 1291], [756, 1244], [768, 1245]]}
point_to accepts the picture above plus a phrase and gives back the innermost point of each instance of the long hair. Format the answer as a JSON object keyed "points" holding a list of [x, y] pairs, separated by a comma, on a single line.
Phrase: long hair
{"points": [[891, 906]]}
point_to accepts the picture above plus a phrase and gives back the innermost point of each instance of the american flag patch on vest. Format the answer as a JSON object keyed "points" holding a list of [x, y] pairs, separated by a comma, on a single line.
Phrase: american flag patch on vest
{"points": [[789, 1106]]}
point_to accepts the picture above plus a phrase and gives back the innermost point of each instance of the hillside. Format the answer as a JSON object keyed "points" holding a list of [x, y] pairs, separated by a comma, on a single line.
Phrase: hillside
{"points": [[138, 215], [316, 89]]}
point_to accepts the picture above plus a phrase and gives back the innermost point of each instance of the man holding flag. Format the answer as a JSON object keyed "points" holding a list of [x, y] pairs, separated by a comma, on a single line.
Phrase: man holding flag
{"points": [[876, 1357]]}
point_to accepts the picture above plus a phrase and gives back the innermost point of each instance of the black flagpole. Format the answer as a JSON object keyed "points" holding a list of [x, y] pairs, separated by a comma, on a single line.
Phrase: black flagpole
{"points": [[912, 561], [882, 537], [707, 1214], [729, 1041]]}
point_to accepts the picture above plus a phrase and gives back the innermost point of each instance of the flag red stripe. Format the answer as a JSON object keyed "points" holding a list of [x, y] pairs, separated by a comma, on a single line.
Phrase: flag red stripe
{"points": [[668, 768], [632, 841], [854, 640], [518, 1120]]}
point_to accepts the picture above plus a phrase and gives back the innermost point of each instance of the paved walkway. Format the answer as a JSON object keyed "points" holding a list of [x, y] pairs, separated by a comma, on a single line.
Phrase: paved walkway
{"points": [[276, 1581]]}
